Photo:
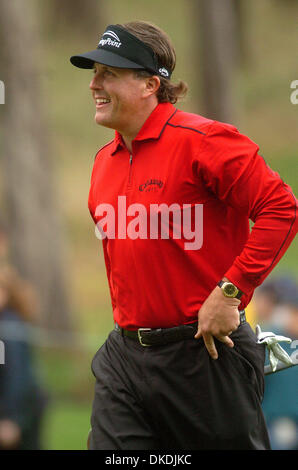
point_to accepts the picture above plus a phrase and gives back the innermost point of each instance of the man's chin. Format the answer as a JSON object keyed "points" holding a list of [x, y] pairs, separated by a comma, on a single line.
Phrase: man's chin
{"points": [[101, 120]]}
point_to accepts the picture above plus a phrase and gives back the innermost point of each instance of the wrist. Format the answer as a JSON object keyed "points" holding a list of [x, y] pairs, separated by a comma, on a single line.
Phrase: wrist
{"points": [[229, 290]]}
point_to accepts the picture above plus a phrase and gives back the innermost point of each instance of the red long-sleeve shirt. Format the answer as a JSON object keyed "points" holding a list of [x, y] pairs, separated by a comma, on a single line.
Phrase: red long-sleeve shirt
{"points": [[189, 161]]}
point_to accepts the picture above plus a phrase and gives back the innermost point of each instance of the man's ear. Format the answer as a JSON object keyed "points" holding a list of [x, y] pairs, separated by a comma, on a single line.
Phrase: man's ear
{"points": [[152, 85]]}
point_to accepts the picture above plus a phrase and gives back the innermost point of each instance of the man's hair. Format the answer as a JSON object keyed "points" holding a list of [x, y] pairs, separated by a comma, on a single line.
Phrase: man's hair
{"points": [[164, 50]]}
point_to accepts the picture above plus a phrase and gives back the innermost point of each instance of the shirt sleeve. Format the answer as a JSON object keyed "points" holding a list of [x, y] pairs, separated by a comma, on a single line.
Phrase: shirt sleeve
{"points": [[234, 171], [92, 209]]}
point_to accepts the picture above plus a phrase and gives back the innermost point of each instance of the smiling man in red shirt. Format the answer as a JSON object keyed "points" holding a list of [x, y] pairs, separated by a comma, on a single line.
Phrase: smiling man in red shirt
{"points": [[172, 196]]}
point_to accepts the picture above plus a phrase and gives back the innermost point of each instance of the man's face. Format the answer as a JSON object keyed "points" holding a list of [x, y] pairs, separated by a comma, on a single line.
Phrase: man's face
{"points": [[118, 96]]}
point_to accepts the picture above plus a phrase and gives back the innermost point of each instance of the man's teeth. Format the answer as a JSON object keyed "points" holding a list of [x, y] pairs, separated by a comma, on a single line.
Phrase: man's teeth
{"points": [[102, 100]]}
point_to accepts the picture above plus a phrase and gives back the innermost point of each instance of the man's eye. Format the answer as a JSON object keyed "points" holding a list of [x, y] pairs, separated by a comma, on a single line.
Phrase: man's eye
{"points": [[104, 73]]}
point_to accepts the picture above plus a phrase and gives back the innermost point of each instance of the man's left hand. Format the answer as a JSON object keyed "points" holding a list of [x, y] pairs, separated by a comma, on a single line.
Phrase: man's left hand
{"points": [[218, 318]]}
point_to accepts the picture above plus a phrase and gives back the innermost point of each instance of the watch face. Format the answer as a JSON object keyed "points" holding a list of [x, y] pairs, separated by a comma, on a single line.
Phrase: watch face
{"points": [[230, 290]]}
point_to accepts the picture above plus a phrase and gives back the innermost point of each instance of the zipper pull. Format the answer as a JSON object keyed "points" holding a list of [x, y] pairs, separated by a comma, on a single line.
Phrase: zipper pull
{"points": [[130, 159]]}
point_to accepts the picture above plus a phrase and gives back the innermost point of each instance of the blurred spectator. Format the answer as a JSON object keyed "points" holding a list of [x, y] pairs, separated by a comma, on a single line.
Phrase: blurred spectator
{"points": [[276, 304], [22, 400], [251, 315]]}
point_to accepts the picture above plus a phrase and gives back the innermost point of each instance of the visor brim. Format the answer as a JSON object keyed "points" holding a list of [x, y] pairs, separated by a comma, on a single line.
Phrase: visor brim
{"points": [[101, 56]]}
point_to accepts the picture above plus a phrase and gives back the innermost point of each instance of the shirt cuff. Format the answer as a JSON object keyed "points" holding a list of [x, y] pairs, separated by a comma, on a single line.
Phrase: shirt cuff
{"points": [[241, 280]]}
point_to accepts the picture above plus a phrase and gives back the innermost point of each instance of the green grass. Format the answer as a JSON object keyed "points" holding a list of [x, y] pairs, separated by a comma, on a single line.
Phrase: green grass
{"points": [[66, 426], [67, 379]]}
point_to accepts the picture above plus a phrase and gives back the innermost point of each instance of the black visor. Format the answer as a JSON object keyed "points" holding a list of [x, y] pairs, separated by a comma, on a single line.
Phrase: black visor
{"points": [[119, 48]]}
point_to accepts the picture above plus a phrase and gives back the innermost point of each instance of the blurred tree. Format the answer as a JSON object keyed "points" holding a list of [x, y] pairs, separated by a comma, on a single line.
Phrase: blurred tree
{"points": [[85, 16], [217, 38], [242, 8], [33, 226]]}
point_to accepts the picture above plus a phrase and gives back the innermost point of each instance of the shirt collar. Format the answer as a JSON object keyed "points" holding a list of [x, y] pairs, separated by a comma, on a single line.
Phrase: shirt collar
{"points": [[152, 127]]}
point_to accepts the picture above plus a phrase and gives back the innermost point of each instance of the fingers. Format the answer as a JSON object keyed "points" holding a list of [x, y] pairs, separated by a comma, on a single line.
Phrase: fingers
{"points": [[210, 344], [198, 333], [226, 340]]}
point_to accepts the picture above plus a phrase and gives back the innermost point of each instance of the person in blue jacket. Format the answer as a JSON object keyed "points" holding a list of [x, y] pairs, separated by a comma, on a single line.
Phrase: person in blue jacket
{"points": [[278, 299], [22, 399]]}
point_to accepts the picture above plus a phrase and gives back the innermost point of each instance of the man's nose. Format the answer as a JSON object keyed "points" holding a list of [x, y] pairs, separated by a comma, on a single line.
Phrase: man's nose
{"points": [[96, 82]]}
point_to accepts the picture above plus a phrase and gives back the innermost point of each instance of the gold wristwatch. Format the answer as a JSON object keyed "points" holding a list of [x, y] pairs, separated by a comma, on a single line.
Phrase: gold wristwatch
{"points": [[229, 289]]}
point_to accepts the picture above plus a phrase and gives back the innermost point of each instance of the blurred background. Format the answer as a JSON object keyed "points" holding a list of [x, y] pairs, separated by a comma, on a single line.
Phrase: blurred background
{"points": [[239, 61]]}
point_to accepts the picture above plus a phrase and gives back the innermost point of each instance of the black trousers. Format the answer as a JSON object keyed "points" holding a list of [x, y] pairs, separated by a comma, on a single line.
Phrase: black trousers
{"points": [[175, 396]]}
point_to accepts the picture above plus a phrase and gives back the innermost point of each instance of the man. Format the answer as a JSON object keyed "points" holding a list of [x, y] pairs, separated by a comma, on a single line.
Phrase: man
{"points": [[182, 369]]}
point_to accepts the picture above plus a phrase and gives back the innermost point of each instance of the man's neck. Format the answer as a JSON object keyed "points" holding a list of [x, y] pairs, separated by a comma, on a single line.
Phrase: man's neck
{"points": [[129, 135], [128, 141]]}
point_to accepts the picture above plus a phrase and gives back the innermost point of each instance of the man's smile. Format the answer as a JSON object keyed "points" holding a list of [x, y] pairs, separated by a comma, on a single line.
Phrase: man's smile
{"points": [[100, 102]]}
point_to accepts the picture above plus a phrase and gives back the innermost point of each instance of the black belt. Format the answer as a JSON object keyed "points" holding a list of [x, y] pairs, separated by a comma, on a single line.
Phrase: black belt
{"points": [[159, 336]]}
